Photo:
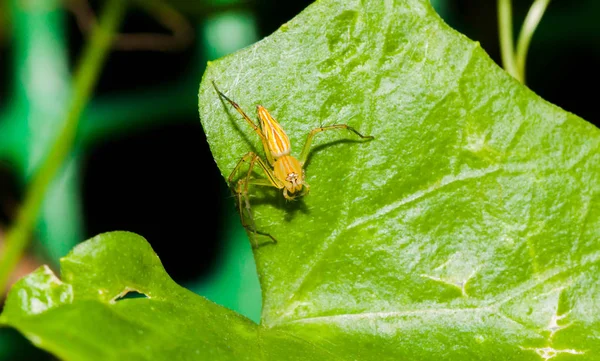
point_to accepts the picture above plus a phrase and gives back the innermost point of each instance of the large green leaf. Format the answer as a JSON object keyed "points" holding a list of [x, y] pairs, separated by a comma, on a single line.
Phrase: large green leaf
{"points": [[468, 229]]}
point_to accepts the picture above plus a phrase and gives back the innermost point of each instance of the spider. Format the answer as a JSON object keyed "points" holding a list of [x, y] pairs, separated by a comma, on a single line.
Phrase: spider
{"points": [[283, 171]]}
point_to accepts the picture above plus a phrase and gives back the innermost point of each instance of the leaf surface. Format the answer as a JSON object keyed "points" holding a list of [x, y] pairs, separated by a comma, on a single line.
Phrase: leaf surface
{"points": [[468, 229]]}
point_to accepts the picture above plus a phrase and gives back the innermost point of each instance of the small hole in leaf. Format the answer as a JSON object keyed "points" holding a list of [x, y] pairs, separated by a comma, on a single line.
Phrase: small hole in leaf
{"points": [[129, 294]]}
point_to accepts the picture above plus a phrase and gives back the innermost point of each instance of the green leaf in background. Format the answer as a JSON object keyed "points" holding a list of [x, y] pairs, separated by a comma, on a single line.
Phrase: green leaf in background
{"points": [[468, 229]]}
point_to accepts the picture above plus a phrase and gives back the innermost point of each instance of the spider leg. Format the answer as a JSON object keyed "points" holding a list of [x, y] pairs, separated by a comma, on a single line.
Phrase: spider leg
{"points": [[254, 127], [306, 148], [241, 190]]}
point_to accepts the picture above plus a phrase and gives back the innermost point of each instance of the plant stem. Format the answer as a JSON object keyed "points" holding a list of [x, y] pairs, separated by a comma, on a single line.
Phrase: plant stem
{"points": [[529, 25], [84, 81], [506, 38]]}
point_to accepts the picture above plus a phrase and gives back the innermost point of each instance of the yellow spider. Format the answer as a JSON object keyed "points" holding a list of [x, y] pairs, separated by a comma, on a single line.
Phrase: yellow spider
{"points": [[285, 172]]}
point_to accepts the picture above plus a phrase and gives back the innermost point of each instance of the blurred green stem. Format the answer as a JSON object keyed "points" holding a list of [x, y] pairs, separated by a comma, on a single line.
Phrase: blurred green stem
{"points": [[84, 81], [505, 29], [529, 25], [515, 64]]}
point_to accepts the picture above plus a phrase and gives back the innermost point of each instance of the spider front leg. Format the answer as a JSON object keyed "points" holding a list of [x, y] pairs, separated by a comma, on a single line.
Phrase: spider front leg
{"points": [[306, 148], [241, 190]]}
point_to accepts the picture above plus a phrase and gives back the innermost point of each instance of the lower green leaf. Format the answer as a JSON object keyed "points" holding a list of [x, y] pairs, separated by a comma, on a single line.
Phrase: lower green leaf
{"points": [[86, 316]]}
